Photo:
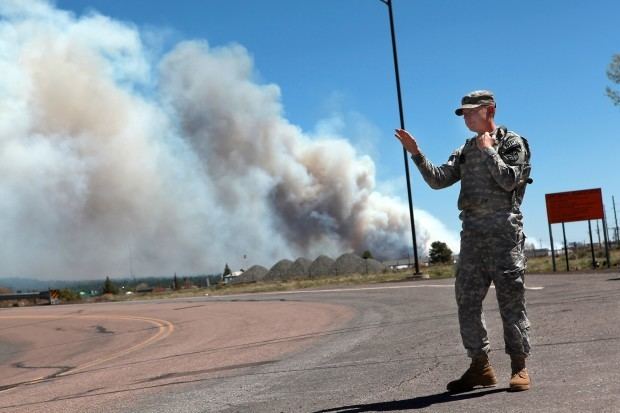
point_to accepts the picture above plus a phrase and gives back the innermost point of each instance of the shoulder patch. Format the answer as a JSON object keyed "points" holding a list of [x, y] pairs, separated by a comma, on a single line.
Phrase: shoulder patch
{"points": [[512, 156], [513, 149], [511, 144]]}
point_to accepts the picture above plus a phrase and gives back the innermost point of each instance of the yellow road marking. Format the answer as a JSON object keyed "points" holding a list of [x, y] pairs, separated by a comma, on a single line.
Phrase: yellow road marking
{"points": [[165, 328]]}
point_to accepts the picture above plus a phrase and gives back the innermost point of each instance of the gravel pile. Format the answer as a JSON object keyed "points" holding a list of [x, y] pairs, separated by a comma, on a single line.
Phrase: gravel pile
{"points": [[374, 267], [321, 267], [354, 264], [349, 264], [300, 268], [279, 271], [253, 274]]}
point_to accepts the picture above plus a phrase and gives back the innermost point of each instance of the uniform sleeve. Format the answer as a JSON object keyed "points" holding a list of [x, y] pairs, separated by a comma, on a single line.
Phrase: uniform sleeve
{"points": [[507, 167], [438, 177]]}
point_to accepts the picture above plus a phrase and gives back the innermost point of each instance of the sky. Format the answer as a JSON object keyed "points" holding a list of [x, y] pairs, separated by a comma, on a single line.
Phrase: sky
{"points": [[327, 69]]}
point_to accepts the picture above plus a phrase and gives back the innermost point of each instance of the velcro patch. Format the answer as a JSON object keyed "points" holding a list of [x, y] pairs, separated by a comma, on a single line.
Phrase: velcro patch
{"points": [[512, 151]]}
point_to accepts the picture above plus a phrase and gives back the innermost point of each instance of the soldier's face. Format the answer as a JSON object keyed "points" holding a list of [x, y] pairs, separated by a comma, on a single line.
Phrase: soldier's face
{"points": [[476, 118]]}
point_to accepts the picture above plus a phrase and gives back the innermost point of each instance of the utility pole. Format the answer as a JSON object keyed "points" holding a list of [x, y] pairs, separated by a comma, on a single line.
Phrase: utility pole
{"points": [[402, 126], [133, 276], [613, 201]]}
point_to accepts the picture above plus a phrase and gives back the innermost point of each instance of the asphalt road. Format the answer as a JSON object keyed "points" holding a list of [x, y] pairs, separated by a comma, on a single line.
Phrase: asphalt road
{"points": [[372, 348]]}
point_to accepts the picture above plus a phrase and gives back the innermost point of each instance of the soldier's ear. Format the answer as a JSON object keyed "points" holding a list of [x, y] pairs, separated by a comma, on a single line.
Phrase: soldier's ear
{"points": [[491, 111]]}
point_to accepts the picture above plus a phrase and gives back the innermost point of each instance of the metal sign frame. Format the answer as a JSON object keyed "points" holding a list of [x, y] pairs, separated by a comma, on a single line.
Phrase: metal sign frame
{"points": [[572, 206]]}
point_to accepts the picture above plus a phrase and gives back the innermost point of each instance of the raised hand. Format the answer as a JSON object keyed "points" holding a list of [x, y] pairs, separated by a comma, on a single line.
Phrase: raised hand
{"points": [[407, 140]]}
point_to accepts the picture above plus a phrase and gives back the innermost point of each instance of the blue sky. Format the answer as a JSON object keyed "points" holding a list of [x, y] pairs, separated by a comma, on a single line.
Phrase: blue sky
{"points": [[545, 61]]}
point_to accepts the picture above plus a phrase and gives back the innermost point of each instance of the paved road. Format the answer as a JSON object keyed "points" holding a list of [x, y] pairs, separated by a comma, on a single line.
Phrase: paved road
{"points": [[376, 348]]}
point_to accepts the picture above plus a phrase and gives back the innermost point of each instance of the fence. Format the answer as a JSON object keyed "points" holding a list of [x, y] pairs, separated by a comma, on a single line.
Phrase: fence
{"points": [[50, 296]]}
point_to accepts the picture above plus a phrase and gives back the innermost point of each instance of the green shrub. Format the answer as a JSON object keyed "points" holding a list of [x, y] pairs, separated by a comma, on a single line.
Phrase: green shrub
{"points": [[68, 295]]}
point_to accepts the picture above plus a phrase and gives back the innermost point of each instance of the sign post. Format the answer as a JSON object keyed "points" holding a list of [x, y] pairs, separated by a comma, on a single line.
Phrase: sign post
{"points": [[565, 247], [552, 249], [591, 245], [574, 206]]}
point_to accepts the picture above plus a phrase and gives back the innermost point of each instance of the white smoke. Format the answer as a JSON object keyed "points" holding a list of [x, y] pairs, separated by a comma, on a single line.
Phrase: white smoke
{"points": [[110, 161]]}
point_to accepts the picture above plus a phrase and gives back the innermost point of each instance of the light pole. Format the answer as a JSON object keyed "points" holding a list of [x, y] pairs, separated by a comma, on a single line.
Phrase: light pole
{"points": [[402, 126]]}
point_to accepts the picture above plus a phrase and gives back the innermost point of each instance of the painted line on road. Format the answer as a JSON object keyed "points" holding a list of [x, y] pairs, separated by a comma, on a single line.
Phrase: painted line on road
{"points": [[165, 328], [335, 290], [338, 290]]}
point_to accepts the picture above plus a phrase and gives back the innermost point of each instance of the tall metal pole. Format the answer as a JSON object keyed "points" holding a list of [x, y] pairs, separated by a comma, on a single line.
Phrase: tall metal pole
{"points": [[605, 238], [616, 218], [552, 248], [591, 245], [402, 126], [565, 247]]}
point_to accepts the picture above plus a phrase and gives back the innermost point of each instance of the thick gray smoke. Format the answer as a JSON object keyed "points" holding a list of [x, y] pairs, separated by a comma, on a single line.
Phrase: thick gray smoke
{"points": [[111, 163]]}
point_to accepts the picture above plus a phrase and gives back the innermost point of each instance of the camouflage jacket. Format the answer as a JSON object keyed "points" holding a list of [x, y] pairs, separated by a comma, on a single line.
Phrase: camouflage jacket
{"points": [[492, 179]]}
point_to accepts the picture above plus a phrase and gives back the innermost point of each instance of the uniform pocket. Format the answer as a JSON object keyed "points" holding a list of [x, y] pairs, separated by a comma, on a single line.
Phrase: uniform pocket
{"points": [[511, 257]]}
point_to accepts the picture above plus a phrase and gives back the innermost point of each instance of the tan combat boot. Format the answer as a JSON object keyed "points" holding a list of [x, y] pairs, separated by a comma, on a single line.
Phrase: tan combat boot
{"points": [[479, 373], [519, 380]]}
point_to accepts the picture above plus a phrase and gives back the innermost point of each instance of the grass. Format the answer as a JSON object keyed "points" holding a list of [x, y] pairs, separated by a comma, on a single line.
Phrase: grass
{"points": [[580, 260], [435, 272], [439, 271]]}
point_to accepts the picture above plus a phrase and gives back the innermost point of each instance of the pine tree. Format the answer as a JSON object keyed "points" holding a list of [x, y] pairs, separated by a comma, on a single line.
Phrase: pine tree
{"points": [[109, 287], [440, 253]]}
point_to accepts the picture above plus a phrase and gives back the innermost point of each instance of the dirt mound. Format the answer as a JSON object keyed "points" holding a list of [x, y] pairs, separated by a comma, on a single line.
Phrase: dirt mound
{"points": [[321, 267], [349, 264], [299, 269], [374, 267], [253, 274], [279, 271]]}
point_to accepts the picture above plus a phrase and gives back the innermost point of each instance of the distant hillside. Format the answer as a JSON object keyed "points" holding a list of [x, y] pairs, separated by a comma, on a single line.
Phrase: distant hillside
{"points": [[33, 284], [24, 284]]}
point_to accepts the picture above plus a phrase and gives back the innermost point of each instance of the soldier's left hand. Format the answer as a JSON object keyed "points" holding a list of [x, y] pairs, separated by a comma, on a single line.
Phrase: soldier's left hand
{"points": [[485, 140]]}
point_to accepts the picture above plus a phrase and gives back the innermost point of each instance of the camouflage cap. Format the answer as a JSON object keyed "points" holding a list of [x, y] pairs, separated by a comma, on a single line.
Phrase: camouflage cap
{"points": [[476, 99]]}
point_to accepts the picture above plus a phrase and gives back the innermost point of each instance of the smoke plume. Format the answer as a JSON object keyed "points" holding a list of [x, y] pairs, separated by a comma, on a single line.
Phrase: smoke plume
{"points": [[112, 162]]}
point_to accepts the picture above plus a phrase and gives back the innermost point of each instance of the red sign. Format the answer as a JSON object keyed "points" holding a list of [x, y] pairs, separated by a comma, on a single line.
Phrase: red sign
{"points": [[574, 206]]}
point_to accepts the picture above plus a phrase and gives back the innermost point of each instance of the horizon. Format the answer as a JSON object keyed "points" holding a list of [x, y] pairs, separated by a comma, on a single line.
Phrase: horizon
{"points": [[157, 184]]}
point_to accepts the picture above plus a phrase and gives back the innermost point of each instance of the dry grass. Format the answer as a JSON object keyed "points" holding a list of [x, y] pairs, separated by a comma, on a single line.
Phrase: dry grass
{"points": [[338, 281], [581, 260], [435, 272]]}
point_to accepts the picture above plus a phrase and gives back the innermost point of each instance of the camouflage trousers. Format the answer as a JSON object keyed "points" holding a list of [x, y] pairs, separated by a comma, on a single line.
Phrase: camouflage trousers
{"points": [[492, 252]]}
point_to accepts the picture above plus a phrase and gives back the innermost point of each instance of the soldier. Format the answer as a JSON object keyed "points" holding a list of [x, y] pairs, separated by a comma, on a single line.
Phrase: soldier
{"points": [[493, 168]]}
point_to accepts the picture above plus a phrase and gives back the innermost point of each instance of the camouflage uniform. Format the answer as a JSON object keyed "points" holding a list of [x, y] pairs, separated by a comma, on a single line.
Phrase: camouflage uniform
{"points": [[492, 187]]}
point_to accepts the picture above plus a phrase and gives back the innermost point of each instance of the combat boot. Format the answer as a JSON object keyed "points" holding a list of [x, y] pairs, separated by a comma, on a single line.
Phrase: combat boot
{"points": [[519, 380], [479, 373]]}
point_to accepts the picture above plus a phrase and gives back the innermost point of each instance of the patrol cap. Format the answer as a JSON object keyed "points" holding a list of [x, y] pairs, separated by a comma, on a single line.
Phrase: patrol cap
{"points": [[476, 99]]}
